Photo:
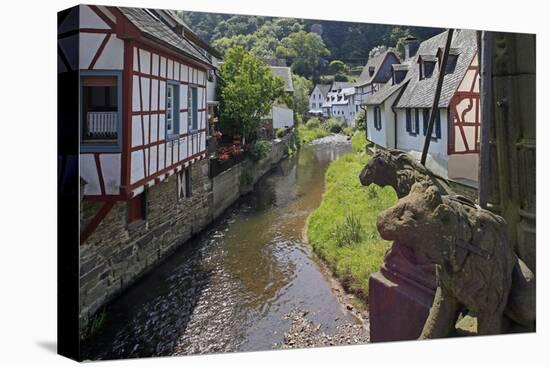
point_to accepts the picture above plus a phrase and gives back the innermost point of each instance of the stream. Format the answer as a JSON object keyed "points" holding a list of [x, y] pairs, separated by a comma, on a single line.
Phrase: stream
{"points": [[246, 283]]}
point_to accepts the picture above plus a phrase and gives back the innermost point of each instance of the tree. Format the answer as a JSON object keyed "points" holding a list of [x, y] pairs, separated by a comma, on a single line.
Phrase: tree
{"points": [[338, 66], [305, 51], [302, 90], [340, 77], [247, 92]]}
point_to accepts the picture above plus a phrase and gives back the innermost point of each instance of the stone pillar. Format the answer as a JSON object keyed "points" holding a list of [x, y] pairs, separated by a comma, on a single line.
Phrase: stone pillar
{"points": [[400, 296]]}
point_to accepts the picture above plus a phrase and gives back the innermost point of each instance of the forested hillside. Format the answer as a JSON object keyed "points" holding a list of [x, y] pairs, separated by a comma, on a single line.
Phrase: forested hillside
{"points": [[268, 37]]}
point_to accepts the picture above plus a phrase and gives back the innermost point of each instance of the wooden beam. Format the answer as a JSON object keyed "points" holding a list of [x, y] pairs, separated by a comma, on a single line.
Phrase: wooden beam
{"points": [[435, 105], [96, 220], [485, 100]]}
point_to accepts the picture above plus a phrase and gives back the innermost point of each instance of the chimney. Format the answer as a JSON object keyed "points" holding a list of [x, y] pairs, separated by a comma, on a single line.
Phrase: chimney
{"points": [[411, 46]]}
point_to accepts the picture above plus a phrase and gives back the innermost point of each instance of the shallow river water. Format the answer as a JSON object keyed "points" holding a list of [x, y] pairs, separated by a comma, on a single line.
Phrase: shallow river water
{"points": [[230, 288]]}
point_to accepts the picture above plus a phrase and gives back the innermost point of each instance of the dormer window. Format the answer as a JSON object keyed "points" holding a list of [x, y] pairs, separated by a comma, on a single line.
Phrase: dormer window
{"points": [[451, 60], [426, 66], [399, 72], [371, 70]]}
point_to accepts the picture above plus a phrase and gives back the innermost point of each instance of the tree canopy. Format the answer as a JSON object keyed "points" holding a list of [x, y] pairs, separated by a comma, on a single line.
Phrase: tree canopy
{"points": [[305, 51], [247, 91]]}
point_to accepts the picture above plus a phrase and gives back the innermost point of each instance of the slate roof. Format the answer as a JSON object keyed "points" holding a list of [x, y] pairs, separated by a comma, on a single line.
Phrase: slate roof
{"points": [[162, 33], [283, 72], [375, 61], [324, 88], [385, 92], [420, 93], [340, 85]]}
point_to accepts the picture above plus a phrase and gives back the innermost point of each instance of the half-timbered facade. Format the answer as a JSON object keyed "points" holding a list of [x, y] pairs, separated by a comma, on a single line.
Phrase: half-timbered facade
{"points": [[398, 114], [143, 81], [143, 100]]}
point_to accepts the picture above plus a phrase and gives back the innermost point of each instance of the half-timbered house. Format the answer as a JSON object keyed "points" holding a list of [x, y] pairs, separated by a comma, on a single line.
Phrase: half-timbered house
{"points": [[142, 83], [397, 115]]}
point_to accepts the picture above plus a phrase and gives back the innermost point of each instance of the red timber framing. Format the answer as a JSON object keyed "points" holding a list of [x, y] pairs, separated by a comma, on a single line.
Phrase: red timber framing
{"points": [[96, 220], [463, 102], [133, 39]]}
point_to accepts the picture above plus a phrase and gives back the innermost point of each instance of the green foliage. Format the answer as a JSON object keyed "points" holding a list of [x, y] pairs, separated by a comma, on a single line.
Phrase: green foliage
{"points": [[338, 66], [359, 141], [259, 150], [280, 133], [348, 131], [305, 51], [300, 97], [360, 120], [349, 232], [333, 125], [313, 123], [344, 40], [396, 37], [246, 178], [340, 77], [306, 134], [342, 231], [247, 92]]}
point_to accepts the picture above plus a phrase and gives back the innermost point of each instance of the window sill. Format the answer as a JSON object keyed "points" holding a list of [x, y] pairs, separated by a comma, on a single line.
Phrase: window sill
{"points": [[97, 147], [170, 137]]}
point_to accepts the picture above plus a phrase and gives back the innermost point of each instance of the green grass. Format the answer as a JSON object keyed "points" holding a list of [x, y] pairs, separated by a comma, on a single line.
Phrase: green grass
{"points": [[342, 231], [307, 134], [358, 141]]}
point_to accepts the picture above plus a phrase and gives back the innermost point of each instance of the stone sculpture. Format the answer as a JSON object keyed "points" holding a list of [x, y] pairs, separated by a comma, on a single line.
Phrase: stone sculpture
{"points": [[398, 170], [476, 268]]}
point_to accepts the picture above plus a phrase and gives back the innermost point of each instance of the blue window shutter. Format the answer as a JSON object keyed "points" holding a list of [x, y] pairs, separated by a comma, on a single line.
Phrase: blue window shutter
{"points": [[426, 118], [416, 121], [408, 120], [438, 124]]}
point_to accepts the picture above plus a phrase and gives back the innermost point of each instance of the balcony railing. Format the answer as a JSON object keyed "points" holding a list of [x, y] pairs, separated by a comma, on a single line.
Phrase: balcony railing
{"points": [[101, 125]]}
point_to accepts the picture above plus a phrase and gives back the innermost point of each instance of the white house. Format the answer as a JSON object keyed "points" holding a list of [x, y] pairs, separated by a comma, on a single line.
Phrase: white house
{"points": [[398, 114], [280, 115], [345, 106], [317, 98]]}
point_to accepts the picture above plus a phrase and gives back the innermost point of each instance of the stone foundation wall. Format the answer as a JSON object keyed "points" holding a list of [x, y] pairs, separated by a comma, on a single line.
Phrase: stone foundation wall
{"points": [[117, 253]]}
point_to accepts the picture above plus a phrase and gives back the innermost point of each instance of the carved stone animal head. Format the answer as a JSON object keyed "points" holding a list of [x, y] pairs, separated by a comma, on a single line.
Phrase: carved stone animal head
{"points": [[420, 220], [381, 170]]}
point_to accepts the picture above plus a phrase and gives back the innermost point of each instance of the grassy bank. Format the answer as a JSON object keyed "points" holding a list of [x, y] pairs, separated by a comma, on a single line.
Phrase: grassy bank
{"points": [[342, 231], [307, 134]]}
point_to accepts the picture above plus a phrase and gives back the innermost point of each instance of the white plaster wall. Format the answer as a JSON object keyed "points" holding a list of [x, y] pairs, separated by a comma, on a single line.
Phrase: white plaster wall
{"points": [[282, 117], [438, 157], [112, 56], [88, 172], [110, 167], [89, 44], [464, 166], [89, 19], [378, 137]]}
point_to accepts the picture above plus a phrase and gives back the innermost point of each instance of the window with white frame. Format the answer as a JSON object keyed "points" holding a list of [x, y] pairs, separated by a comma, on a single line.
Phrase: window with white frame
{"points": [[192, 104], [172, 109]]}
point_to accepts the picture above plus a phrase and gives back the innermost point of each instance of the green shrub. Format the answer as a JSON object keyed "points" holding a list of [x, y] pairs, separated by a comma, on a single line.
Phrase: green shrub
{"points": [[280, 132], [333, 125], [259, 150], [313, 123], [359, 141], [360, 120], [348, 131]]}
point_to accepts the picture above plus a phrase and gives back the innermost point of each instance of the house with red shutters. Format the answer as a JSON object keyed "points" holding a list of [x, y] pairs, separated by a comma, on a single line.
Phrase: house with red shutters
{"points": [[143, 80]]}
